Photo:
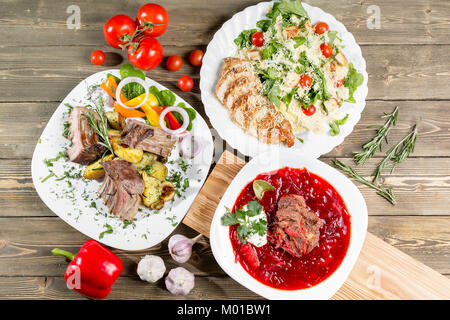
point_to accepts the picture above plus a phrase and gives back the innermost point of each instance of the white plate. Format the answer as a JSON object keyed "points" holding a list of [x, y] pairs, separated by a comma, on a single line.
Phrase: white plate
{"points": [[221, 244], [77, 207], [222, 46]]}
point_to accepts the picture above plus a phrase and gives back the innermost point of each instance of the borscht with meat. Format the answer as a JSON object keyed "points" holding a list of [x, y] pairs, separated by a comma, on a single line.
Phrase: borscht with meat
{"points": [[303, 221]]}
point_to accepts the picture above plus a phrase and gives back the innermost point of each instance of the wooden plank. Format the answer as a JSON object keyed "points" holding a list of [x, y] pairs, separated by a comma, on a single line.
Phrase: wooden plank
{"points": [[416, 182], [395, 275], [18, 138], [124, 289], [25, 245], [420, 72], [39, 23]]}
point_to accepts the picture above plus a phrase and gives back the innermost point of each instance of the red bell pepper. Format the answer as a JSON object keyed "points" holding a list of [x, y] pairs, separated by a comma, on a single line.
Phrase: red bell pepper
{"points": [[97, 269]]}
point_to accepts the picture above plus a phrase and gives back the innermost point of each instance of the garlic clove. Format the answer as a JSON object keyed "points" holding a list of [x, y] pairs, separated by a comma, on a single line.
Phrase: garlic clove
{"points": [[180, 281], [151, 268], [180, 247]]}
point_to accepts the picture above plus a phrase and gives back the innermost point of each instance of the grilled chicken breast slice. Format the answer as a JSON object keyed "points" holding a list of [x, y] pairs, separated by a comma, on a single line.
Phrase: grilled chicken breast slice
{"points": [[238, 89]]}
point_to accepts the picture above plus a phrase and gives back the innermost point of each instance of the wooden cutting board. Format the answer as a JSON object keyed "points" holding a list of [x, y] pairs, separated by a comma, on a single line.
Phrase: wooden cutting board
{"points": [[381, 272]]}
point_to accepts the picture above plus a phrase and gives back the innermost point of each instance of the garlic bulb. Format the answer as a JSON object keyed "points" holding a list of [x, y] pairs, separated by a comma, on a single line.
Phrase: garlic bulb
{"points": [[151, 268], [179, 281], [180, 247]]}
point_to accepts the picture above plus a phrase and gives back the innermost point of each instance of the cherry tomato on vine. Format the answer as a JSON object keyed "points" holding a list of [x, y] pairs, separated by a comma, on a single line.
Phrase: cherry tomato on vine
{"points": [[196, 58], [327, 50], [258, 39], [305, 81], [174, 63], [310, 111], [339, 83], [145, 54], [185, 83], [98, 57], [152, 19], [321, 28], [117, 29]]}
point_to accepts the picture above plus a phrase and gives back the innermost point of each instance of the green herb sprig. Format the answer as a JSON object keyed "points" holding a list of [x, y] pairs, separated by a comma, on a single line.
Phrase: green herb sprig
{"points": [[246, 226], [399, 152], [369, 149], [100, 125], [385, 191]]}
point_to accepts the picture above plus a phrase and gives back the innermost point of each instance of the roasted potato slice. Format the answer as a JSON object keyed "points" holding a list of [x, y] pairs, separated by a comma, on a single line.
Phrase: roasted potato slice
{"points": [[158, 170], [114, 134], [152, 191], [167, 191], [126, 153], [95, 170], [115, 120], [146, 161]]}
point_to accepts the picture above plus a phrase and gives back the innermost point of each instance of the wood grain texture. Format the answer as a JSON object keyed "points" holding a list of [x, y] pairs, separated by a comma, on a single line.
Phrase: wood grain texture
{"points": [[381, 272], [49, 76], [18, 138], [39, 23]]}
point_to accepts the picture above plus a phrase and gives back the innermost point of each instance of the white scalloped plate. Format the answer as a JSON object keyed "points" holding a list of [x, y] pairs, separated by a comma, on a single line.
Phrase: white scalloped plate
{"points": [[220, 239], [222, 46], [77, 203]]}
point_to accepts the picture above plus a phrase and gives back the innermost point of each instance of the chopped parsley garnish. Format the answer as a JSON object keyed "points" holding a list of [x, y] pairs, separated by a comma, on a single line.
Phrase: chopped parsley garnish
{"points": [[246, 222], [334, 125], [108, 230]]}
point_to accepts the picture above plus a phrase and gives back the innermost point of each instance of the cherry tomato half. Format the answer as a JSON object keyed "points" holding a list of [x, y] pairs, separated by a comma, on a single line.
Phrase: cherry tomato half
{"points": [[339, 83], [258, 39], [98, 57], [116, 28], [310, 111], [327, 50], [174, 63], [305, 81], [152, 19], [148, 54], [196, 58], [321, 28], [185, 83]]}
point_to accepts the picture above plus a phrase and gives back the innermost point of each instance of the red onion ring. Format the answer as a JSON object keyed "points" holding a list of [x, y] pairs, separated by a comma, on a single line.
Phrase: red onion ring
{"points": [[183, 127], [126, 81], [198, 146]]}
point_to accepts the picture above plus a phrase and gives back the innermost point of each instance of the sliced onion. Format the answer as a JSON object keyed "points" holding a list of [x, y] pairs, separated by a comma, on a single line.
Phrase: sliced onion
{"points": [[183, 127], [99, 93], [197, 145], [126, 81]]}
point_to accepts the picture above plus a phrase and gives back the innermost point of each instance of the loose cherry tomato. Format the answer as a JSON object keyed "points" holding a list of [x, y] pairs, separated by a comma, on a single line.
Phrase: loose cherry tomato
{"points": [[305, 81], [152, 19], [339, 83], [321, 28], [174, 63], [327, 50], [117, 29], [310, 111], [185, 83], [97, 57], [148, 54], [258, 39], [196, 58]]}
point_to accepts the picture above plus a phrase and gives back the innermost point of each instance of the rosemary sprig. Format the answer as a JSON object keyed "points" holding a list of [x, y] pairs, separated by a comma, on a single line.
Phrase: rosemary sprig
{"points": [[369, 149], [399, 152], [100, 125], [385, 191]]}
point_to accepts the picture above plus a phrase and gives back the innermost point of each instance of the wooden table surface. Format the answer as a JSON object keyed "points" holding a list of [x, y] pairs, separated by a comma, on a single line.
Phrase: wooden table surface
{"points": [[41, 60]]}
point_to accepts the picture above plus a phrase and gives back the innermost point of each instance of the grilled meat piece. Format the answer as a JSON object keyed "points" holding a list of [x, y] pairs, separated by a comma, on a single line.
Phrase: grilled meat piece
{"points": [[121, 188], [296, 228], [239, 90], [86, 146], [141, 136]]}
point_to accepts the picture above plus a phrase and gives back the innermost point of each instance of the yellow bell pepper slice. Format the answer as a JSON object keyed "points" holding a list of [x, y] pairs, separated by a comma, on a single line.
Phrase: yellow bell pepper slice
{"points": [[152, 101], [147, 107]]}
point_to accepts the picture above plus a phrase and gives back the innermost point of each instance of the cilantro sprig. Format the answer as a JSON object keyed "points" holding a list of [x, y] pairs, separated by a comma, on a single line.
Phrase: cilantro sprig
{"points": [[243, 218]]}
